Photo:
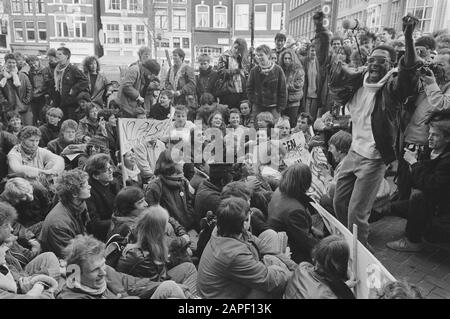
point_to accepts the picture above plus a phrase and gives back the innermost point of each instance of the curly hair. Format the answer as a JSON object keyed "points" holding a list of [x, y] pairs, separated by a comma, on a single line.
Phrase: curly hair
{"points": [[29, 131], [70, 183], [69, 124], [96, 164], [82, 248], [87, 62]]}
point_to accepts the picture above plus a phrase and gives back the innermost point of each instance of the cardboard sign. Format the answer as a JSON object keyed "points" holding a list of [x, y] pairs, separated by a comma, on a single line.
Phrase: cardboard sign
{"points": [[372, 275], [296, 150]]}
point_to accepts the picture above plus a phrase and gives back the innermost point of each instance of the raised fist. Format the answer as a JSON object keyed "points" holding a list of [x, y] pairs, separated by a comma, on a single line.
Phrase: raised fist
{"points": [[409, 24]]}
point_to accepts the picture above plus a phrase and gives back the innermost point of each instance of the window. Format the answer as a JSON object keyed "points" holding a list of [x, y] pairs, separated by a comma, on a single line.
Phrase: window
{"points": [[80, 27], [18, 31], [62, 31], [179, 19], [179, 1], [140, 34], [186, 43], [113, 5], [161, 19], [42, 31], [242, 17], [28, 6], [164, 43], [112, 34], [276, 16], [16, 6], [176, 42], [135, 5], [220, 17], [31, 32], [202, 16], [260, 16], [423, 10], [127, 34], [40, 6]]}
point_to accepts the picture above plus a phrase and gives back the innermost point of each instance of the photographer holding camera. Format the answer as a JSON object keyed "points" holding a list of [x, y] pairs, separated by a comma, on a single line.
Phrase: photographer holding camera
{"points": [[434, 95]]}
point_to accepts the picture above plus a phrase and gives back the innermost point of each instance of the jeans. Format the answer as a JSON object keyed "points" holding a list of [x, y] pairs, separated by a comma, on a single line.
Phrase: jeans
{"points": [[311, 107], [45, 264], [292, 113], [356, 190], [168, 289], [185, 274], [37, 104]]}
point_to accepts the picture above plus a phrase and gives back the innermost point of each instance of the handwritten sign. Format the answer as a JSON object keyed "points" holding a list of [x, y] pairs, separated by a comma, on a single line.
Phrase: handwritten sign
{"points": [[296, 150], [133, 132], [372, 275]]}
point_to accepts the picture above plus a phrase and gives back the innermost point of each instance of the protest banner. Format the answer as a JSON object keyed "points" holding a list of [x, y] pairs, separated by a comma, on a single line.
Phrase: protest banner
{"points": [[296, 151], [133, 132], [372, 275]]}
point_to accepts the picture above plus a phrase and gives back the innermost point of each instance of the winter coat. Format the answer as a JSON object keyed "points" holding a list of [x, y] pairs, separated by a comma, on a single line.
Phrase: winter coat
{"points": [[98, 89], [267, 90], [207, 199], [7, 142], [230, 268], [100, 207], [130, 89], [73, 81], [185, 84], [206, 82], [432, 177], [37, 79], [59, 227], [293, 217], [306, 284], [295, 79], [118, 286], [228, 82], [49, 133], [174, 194], [86, 128], [14, 98]]}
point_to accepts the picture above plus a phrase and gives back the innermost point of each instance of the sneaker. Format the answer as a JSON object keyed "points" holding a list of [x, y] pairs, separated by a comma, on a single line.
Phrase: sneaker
{"points": [[405, 245]]}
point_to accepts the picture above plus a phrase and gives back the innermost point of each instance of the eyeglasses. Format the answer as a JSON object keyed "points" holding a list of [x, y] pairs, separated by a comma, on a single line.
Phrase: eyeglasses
{"points": [[378, 60]]}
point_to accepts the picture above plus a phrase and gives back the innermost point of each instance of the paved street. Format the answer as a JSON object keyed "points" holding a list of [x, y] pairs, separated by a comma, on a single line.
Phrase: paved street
{"points": [[429, 269]]}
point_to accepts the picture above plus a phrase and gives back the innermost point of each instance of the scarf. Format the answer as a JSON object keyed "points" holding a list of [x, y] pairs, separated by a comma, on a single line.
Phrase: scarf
{"points": [[88, 290], [174, 77], [265, 70], [28, 153], [59, 72]]}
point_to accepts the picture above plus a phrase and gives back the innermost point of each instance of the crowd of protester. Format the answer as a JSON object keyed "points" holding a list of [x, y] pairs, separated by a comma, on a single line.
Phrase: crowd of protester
{"points": [[137, 223]]}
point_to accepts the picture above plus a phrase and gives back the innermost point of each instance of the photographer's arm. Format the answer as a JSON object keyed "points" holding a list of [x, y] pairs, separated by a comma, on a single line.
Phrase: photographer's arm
{"points": [[439, 99]]}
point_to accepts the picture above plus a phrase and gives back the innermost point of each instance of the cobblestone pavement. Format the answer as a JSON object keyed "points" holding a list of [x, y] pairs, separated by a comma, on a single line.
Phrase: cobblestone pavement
{"points": [[429, 269]]}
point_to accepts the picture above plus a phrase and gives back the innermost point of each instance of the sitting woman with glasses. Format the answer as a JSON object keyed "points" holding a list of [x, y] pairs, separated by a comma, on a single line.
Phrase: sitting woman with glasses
{"points": [[104, 190]]}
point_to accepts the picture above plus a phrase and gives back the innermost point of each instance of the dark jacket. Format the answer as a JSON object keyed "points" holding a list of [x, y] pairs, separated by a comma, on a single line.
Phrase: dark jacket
{"points": [[295, 78], [185, 84], [87, 128], [7, 142], [269, 90], [226, 83], [159, 113], [207, 199], [118, 286], [75, 80], [49, 82], [37, 79], [173, 194], [49, 133], [98, 89], [432, 177], [100, 207], [206, 82], [59, 227], [293, 217], [14, 98]]}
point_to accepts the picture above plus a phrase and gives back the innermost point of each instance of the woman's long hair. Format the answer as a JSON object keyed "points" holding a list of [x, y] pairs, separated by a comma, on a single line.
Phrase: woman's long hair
{"points": [[87, 61], [296, 64], [150, 233]]}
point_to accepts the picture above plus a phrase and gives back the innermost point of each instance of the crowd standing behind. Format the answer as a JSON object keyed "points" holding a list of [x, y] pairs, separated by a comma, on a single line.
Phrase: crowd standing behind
{"points": [[217, 229]]}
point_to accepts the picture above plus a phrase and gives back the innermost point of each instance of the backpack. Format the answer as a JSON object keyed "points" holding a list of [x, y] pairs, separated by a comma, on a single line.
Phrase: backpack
{"points": [[114, 248]]}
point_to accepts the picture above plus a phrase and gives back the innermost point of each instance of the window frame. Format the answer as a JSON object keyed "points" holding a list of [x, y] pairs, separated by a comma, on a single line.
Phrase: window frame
{"points": [[197, 20], [214, 17]]}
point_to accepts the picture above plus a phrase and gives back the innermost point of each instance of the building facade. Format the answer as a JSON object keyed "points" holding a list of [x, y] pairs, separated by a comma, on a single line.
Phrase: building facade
{"points": [[301, 13], [212, 27], [270, 18], [70, 23], [5, 31], [29, 26]]}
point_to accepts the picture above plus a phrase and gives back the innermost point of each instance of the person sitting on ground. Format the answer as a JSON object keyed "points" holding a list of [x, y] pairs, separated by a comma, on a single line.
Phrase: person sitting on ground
{"points": [[89, 126], [147, 154], [231, 266], [290, 210], [104, 189], [132, 171], [108, 117], [14, 122], [216, 121], [399, 290], [327, 277], [180, 128], [96, 145], [430, 181], [148, 256], [246, 112], [29, 161], [304, 124], [50, 130], [208, 106], [162, 110], [98, 281], [83, 100], [70, 216]]}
